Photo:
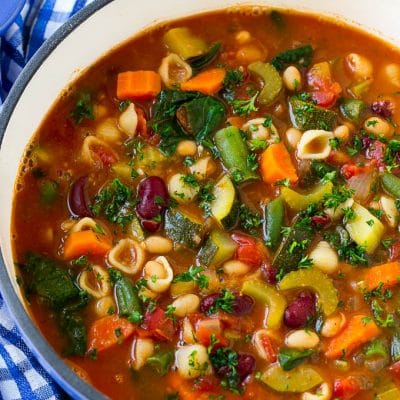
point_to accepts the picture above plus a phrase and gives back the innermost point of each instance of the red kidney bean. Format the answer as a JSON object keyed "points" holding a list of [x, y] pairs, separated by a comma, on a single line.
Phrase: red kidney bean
{"points": [[153, 197], [319, 221], [269, 273], [383, 108], [246, 365], [151, 225], [77, 199], [300, 310], [242, 305], [208, 302]]}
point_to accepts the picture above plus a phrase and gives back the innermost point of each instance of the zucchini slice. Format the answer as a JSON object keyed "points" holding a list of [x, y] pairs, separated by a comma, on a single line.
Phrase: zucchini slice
{"points": [[224, 198], [218, 248], [182, 229]]}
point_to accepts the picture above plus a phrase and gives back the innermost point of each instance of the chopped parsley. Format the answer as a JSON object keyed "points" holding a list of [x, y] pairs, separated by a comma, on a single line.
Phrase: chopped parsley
{"points": [[338, 196], [257, 144], [83, 108], [227, 360], [283, 182], [193, 274], [244, 108], [249, 220], [224, 302], [206, 196]]}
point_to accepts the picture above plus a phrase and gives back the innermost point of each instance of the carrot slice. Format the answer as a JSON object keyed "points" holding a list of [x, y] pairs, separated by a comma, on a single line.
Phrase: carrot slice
{"points": [[276, 164], [386, 274], [207, 82], [108, 331], [236, 121], [138, 85], [85, 243], [360, 329]]}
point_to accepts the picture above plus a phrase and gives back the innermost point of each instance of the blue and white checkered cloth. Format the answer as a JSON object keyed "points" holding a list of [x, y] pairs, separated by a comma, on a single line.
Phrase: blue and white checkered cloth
{"points": [[21, 376]]}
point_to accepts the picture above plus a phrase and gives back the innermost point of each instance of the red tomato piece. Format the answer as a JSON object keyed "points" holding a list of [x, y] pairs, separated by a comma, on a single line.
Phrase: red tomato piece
{"points": [[159, 325], [141, 127], [346, 388], [248, 250], [269, 348], [205, 328], [395, 370], [106, 157]]}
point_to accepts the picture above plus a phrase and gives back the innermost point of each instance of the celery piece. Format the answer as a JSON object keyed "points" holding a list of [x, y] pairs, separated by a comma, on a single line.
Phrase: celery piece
{"points": [[122, 170], [182, 42], [224, 198], [360, 88], [317, 281], [299, 202], [179, 288], [365, 229], [268, 295], [271, 79], [391, 184], [234, 154], [218, 248], [274, 214], [297, 380], [387, 390]]}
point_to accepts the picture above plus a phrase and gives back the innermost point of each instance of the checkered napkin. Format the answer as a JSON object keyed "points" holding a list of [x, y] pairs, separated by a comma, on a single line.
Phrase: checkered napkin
{"points": [[21, 376]]}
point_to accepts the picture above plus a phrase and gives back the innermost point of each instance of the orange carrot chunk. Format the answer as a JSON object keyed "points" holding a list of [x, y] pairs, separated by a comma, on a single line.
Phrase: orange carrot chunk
{"points": [[85, 243], [207, 82], [385, 274], [138, 85], [360, 329], [236, 121], [108, 331], [276, 164]]}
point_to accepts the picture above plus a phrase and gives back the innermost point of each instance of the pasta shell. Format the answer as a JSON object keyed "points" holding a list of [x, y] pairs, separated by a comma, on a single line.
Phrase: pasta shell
{"points": [[84, 224], [128, 121], [158, 274], [127, 255], [95, 281], [108, 131], [257, 129], [142, 349], [314, 145], [174, 71], [89, 147], [192, 361]]}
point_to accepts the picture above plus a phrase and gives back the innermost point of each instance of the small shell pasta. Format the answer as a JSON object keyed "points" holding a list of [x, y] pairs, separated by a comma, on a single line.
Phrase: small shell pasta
{"points": [[188, 333], [192, 361], [323, 392], [388, 205], [174, 71], [202, 168], [258, 130], [84, 224], [90, 145], [181, 191], [314, 145], [142, 349], [128, 121], [108, 131], [158, 274], [324, 257], [127, 255], [104, 306], [95, 281]]}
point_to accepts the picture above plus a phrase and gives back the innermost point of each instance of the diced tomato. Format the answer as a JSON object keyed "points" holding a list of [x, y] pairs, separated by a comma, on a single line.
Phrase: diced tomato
{"points": [[106, 157], [159, 325], [248, 250], [324, 90], [395, 370], [206, 384], [141, 127], [346, 388], [269, 348], [205, 328]]}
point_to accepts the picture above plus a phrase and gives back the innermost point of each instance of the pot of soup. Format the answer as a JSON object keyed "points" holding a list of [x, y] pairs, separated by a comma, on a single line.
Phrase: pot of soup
{"points": [[209, 208]]}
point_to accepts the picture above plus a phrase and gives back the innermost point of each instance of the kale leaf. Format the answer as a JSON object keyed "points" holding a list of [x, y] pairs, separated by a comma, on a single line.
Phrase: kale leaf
{"points": [[300, 56], [199, 62]]}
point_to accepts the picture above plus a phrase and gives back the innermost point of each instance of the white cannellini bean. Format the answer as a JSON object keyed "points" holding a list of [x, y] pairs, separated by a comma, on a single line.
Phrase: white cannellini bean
{"points": [[388, 205], [379, 127], [292, 78], [324, 257], [142, 349], [323, 392], [186, 148], [333, 325], [243, 37], [293, 137], [188, 332], [235, 268], [336, 213], [392, 74], [173, 70], [314, 145], [108, 131], [118, 256], [342, 132], [104, 306], [257, 130], [128, 121], [181, 191], [158, 244], [158, 274], [302, 339], [359, 66], [192, 361], [186, 304], [202, 168]]}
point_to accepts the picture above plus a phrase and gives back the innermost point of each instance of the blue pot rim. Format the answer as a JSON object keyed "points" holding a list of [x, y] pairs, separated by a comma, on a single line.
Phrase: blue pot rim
{"points": [[11, 18], [47, 357]]}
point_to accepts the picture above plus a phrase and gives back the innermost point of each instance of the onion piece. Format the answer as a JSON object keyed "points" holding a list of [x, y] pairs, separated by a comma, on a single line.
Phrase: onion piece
{"points": [[362, 185]]}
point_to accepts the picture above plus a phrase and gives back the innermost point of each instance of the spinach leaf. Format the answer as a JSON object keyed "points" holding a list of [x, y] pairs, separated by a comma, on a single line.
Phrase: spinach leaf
{"points": [[202, 116], [301, 56], [83, 108], [199, 62], [291, 358], [50, 282]]}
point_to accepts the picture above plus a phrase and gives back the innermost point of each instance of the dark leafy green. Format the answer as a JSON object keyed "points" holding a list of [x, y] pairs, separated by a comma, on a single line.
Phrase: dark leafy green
{"points": [[161, 361], [227, 359], [300, 56], [291, 358], [83, 108], [203, 60]]}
